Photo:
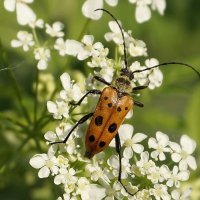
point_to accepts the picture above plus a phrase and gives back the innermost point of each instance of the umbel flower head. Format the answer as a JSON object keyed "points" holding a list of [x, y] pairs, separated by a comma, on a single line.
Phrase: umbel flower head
{"points": [[146, 170]]}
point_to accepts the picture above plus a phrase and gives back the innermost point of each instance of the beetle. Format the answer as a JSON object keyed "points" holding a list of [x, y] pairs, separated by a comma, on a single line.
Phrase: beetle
{"points": [[114, 103]]}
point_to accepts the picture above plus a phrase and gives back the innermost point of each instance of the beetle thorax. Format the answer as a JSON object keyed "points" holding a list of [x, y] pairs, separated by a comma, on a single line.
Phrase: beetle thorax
{"points": [[123, 84]]}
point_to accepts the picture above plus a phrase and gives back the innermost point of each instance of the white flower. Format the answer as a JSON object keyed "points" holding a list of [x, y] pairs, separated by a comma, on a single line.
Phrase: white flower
{"points": [[155, 76], [60, 134], [55, 30], [89, 7], [160, 144], [25, 14], [71, 91], [114, 191], [95, 172], [25, 40], [144, 163], [107, 73], [137, 48], [176, 176], [160, 192], [39, 23], [143, 12], [43, 56], [113, 162], [115, 35], [140, 77], [158, 174], [59, 109], [182, 154], [81, 50], [67, 177], [61, 46], [45, 163], [130, 141], [95, 191], [179, 195], [159, 5]]}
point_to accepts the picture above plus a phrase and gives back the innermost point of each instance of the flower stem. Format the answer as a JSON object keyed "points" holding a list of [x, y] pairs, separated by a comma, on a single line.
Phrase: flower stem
{"points": [[84, 29], [36, 97], [19, 97]]}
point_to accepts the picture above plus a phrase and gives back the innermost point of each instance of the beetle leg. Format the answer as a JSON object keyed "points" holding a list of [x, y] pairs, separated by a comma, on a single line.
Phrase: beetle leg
{"points": [[81, 121], [100, 79], [141, 87], [89, 92], [118, 150], [139, 104]]}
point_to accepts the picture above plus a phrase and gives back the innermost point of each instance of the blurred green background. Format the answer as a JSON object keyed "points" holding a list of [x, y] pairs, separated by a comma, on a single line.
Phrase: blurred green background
{"points": [[173, 108]]}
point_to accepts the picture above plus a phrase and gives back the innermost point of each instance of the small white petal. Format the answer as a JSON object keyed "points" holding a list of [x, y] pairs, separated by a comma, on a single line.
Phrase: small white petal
{"points": [[183, 175], [125, 132], [192, 162], [162, 156], [50, 136], [25, 14], [112, 2], [183, 165], [73, 47], [175, 147], [159, 5], [16, 43], [58, 179], [152, 143], [142, 13], [43, 172], [42, 65], [187, 144], [139, 137], [38, 161], [66, 81], [128, 153], [51, 107], [96, 192], [89, 8], [138, 148], [154, 154], [88, 39], [113, 161], [176, 157], [10, 5]]}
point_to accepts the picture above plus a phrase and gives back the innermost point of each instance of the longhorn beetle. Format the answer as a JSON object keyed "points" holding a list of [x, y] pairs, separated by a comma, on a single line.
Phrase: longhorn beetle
{"points": [[113, 105]]}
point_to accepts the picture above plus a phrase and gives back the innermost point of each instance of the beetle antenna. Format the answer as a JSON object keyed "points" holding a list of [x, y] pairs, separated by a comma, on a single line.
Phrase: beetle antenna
{"points": [[169, 63], [125, 56]]}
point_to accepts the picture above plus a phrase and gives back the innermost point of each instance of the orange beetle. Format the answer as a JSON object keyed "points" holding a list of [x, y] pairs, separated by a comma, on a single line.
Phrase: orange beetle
{"points": [[114, 104], [109, 114]]}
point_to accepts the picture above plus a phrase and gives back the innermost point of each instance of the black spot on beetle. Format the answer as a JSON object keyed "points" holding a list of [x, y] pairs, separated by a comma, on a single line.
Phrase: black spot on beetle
{"points": [[119, 109], [91, 138], [126, 108], [112, 128], [99, 120], [102, 144], [105, 98], [109, 105]]}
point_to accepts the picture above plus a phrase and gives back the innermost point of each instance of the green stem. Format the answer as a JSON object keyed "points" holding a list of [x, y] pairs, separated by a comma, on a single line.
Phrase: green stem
{"points": [[36, 97], [15, 122], [83, 29], [35, 37], [19, 97]]}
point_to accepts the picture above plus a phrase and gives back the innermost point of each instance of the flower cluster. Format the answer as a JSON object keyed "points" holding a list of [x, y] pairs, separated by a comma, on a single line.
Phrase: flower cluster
{"points": [[142, 13], [157, 170]]}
